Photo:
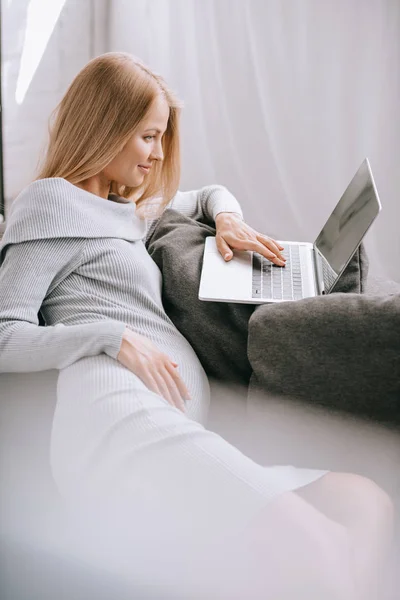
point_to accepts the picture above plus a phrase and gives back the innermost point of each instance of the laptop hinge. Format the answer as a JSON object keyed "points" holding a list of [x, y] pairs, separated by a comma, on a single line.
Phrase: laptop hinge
{"points": [[319, 278]]}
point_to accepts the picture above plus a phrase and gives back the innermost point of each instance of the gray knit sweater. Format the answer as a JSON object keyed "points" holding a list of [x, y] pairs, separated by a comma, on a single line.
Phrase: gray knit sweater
{"points": [[81, 260]]}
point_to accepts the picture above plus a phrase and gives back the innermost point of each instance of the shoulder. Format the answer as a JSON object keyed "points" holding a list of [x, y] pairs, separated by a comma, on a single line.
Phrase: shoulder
{"points": [[54, 208], [43, 196], [37, 212]]}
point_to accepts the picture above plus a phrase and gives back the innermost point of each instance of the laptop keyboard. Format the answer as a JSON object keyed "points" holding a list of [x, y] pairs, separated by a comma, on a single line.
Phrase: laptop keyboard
{"points": [[278, 283], [328, 274]]}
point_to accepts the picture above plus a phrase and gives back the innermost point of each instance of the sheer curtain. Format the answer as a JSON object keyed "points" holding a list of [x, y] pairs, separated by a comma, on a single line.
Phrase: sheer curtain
{"points": [[48, 51], [283, 100]]}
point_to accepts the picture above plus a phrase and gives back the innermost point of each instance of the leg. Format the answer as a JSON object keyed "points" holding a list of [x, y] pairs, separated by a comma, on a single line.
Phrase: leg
{"points": [[295, 552], [172, 495], [366, 512]]}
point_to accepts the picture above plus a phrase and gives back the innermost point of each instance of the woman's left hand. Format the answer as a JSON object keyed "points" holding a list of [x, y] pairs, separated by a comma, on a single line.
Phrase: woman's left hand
{"points": [[232, 233]]}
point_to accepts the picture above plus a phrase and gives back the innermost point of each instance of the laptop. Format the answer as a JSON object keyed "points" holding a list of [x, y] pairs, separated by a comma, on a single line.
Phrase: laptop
{"points": [[310, 270]]}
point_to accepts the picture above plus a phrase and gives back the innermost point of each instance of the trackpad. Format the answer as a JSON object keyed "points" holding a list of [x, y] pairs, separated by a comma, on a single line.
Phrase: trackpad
{"points": [[225, 280]]}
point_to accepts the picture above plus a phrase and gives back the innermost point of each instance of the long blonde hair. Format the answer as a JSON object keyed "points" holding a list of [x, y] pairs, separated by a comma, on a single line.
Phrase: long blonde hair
{"points": [[99, 113]]}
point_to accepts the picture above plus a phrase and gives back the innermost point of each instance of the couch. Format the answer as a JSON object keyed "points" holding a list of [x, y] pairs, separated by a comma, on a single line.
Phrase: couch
{"points": [[27, 400]]}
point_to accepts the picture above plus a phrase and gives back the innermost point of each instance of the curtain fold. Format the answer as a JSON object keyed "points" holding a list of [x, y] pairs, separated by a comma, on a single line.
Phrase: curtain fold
{"points": [[283, 100]]}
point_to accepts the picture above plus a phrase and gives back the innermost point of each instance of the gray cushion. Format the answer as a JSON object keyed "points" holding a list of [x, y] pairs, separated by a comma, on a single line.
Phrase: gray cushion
{"points": [[354, 277], [216, 330], [340, 351]]}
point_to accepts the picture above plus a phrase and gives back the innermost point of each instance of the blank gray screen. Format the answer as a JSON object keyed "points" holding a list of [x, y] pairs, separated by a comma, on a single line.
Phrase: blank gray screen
{"points": [[352, 217]]}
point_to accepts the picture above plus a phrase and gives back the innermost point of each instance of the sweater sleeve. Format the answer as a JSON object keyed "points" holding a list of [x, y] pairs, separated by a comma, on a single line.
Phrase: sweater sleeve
{"points": [[202, 205], [206, 203], [30, 270]]}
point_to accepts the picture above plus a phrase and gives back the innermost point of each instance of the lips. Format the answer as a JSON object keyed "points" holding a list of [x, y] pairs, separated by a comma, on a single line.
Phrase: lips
{"points": [[144, 168]]}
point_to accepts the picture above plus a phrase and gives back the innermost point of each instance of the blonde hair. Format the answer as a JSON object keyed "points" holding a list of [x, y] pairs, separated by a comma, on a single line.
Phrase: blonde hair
{"points": [[98, 114]]}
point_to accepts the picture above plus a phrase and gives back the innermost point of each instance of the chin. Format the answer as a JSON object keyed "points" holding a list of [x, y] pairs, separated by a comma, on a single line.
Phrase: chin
{"points": [[134, 182]]}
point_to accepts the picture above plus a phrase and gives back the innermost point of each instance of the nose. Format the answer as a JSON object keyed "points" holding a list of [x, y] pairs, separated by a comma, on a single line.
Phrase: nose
{"points": [[157, 152]]}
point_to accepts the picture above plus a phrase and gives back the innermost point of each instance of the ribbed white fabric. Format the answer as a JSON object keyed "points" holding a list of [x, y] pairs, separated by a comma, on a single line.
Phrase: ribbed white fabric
{"points": [[81, 260]]}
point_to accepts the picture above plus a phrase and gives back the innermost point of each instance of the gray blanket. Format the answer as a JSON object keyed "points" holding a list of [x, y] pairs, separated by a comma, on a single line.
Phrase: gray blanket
{"points": [[218, 331], [341, 351]]}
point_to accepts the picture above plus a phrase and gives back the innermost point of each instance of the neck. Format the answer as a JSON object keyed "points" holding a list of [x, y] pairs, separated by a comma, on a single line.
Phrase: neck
{"points": [[98, 185]]}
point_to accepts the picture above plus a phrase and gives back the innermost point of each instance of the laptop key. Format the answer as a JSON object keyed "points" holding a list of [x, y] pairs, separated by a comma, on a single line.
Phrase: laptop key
{"points": [[278, 283]]}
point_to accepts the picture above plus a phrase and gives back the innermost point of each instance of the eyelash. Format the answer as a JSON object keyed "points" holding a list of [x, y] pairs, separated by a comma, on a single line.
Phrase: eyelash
{"points": [[149, 137]]}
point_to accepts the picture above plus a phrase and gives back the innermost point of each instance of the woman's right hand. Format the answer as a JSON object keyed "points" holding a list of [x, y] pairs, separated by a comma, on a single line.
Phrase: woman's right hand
{"points": [[157, 371]]}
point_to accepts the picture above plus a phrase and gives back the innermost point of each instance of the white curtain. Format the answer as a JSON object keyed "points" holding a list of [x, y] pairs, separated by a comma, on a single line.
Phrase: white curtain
{"points": [[283, 100], [49, 54]]}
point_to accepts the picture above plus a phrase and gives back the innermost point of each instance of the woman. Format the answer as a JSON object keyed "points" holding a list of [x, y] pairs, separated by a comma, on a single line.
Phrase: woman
{"points": [[132, 396]]}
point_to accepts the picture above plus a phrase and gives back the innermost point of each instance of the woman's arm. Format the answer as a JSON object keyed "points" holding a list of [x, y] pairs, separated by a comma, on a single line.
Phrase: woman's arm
{"points": [[215, 203], [206, 203], [232, 232], [29, 271]]}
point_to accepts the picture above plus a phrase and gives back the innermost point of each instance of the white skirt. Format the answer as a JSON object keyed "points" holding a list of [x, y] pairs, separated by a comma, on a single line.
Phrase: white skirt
{"points": [[111, 433]]}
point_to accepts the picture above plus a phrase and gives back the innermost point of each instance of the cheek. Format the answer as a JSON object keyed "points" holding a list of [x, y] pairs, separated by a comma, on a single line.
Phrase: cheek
{"points": [[138, 151]]}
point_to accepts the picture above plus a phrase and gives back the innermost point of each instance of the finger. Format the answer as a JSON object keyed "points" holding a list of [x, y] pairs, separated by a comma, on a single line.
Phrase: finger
{"points": [[156, 384], [278, 244], [223, 248], [173, 390], [271, 244], [163, 387], [184, 392], [261, 249]]}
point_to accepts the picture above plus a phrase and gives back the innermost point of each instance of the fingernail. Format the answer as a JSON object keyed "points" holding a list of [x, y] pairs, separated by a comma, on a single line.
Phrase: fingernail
{"points": [[227, 255]]}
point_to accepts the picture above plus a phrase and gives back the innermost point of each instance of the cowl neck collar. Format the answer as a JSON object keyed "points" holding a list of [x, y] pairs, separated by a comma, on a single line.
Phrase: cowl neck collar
{"points": [[55, 208]]}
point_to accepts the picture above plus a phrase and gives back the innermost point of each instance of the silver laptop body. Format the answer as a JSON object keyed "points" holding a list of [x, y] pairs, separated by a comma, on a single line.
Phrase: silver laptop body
{"points": [[311, 269]]}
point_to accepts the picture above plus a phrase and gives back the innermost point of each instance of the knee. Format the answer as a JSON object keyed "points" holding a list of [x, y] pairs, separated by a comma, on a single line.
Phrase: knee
{"points": [[379, 502], [361, 496]]}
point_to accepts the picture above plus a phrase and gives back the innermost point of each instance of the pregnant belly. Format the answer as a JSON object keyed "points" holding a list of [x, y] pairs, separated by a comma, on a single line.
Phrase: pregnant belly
{"points": [[108, 374], [103, 410], [192, 373], [169, 340]]}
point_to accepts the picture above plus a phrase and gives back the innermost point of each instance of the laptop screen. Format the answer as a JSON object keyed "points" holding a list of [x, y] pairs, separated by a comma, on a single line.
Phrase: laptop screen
{"points": [[347, 225]]}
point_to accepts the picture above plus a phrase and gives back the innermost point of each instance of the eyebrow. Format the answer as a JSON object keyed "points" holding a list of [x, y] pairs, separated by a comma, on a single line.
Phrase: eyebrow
{"points": [[152, 129]]}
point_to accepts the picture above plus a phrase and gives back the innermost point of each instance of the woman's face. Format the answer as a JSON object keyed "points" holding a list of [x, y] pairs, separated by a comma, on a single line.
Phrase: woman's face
{"points": [[133, 163]]}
